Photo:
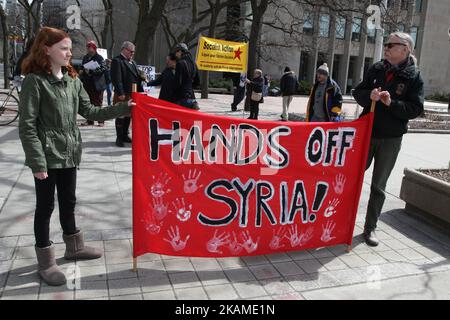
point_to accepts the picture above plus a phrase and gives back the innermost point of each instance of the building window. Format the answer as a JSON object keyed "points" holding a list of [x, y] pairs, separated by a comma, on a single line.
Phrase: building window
{"points": [[308, 25], [401, 28], [340, 28], [418, 6], [414, 31], [356, 29], [324, 25]]}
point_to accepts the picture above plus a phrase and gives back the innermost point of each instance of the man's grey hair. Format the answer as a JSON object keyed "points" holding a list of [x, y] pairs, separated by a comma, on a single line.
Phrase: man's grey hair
{"points": [[408, 40], [127, 45]]}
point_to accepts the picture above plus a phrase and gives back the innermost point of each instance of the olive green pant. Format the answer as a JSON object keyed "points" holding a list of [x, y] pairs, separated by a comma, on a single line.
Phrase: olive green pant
{"points": [[383, 152]]}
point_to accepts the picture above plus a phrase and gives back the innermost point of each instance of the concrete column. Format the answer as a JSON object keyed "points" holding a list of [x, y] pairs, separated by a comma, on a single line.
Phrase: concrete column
{"points": [[359, 68], [331, 42], [315, 47]]}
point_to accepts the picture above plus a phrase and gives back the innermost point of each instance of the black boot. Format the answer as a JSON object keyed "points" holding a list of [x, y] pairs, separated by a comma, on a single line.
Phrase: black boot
{"points": [[370, 238], [119, 132], [126, 126]]}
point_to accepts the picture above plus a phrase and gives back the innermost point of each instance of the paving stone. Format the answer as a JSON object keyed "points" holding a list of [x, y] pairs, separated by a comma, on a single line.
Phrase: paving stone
{"points": [[160, 295], [310, 266], [149, 269], [321, 253], [303, 282], [288, 268], [239, 275], [202, 264], [92, 290], [251, 289], [118, 257], [411, 254], [128, 297], [395, 244], [159, 282], [300, 255], [26, 241], [392, 256], [22, 281], [56, 293], [184, 280], [118, 234], [276, 286], [264, 272], [212, 277], [6, 253], [117, 245], [94, 273], [231, 263], [278, 257], [289, 296], [123, 287], [347, 276], [333, 263], [30, 293], [372, 258], [120, 271], [255, 260], [353, 261], [96, 262], [8, 242], [178, 265], [196, 293], [221, 292]]}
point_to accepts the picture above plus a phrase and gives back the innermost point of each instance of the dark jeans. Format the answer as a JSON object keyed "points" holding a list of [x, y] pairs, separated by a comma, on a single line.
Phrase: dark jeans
{"points": [[384, 152], [109, 93], [254, 110], [65, 181], [96, 98], [239, 94]]}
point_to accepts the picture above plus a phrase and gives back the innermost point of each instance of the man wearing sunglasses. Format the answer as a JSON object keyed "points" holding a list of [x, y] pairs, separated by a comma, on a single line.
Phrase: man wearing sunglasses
{"points": [[397, 87], [125, 73]]}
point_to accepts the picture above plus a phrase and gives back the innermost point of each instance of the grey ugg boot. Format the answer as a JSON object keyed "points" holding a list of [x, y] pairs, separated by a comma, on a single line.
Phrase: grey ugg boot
{"points": [[48, 270], [76, 250]]}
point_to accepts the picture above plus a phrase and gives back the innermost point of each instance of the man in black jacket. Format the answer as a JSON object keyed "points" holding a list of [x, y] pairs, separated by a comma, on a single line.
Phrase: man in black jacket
{"points": [[93, 80], [397, 87], [166, 80], [288, 87], [125, 73], [238, 89], [186, 77]]}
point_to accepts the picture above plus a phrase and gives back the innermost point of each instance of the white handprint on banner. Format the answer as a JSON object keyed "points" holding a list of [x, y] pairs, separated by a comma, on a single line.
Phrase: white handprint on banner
{"points": [[159, 209], [190, 184], [159, 187], [175, 239], [277, 238], [248, 244], [327, 230], [234, 245], [217, 241], [297, 239], [331, 209], [182, 211], [150, 225], [339, 183]]}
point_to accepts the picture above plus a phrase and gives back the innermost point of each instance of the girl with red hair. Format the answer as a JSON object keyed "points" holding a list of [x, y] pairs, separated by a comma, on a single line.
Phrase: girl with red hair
{"points": [[51, 97]]}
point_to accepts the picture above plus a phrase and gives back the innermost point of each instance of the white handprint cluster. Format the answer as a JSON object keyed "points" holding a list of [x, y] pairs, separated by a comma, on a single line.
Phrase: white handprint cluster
{"points": [[175, 239], [223, 239], [297, 239], [190, 183]]}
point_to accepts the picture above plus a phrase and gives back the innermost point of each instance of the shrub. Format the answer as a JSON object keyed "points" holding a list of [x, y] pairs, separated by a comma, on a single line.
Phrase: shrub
{"points": [[304, 87], [439, 96], [221, 83]]}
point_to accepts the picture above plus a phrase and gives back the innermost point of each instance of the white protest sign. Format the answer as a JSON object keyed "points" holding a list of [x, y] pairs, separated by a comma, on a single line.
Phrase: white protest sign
{"points": [[103, 53], [150, 73]]}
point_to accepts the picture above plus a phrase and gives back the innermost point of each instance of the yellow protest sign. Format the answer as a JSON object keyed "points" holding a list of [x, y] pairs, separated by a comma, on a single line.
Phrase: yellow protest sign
{"points": [[221, 55]]}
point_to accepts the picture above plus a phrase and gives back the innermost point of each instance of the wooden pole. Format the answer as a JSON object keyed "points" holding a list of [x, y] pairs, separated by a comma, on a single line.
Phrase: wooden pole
{"points": [[372, 107], [134, 89]]}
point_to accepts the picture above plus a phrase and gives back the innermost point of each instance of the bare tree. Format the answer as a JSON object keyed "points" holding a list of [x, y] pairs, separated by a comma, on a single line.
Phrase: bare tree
{"points": [[33, 11], [148, 21], [5, 33]]}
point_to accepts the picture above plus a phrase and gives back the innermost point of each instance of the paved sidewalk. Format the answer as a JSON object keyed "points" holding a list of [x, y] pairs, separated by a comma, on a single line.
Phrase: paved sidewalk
{"points": [[412, 261]]}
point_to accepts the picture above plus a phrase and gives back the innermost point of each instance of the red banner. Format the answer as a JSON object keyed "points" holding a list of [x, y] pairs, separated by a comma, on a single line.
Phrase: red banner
{"points": [[214, 186]]}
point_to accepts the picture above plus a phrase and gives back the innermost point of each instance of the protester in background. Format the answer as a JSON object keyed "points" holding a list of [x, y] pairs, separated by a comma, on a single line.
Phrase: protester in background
{"points": [[186, 77], [93, 80], [288, 87], [256, 96], [109, 89], [396, 85], [51, 98], [238, 89], [166, 79], [125, 73], [266, 86], [325, 100]]}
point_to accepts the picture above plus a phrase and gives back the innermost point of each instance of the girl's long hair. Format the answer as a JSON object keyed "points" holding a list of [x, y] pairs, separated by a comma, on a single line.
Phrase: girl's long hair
{"points": [[38, 61]]}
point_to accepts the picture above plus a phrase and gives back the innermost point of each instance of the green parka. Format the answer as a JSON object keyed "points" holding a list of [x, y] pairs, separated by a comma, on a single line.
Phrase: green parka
{"points": [[47, 125]]}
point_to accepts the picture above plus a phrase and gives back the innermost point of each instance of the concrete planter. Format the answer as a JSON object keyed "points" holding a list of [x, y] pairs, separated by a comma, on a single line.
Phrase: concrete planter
{"points": [[426, 197]]}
